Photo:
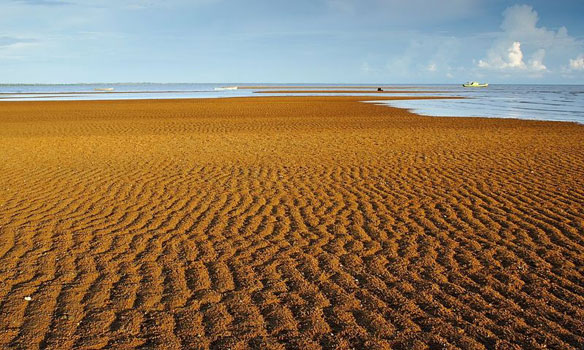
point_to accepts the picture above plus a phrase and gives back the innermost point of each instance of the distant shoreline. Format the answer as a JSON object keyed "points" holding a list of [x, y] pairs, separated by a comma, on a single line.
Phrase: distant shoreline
{"points": [[533, 102]]}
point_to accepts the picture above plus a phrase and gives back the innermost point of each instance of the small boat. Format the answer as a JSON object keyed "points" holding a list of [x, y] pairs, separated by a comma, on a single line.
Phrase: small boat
{"points": [[226, 88], [103, 89], [474, 84]]}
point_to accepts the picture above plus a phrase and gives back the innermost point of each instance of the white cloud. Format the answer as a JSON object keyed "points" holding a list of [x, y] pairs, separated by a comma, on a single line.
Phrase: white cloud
{"points": [[536, 61], [522, 39], [520, 18], [515, 56], [7, 42], [501, 58], [577, 63], [14, 48], [431, 67]]}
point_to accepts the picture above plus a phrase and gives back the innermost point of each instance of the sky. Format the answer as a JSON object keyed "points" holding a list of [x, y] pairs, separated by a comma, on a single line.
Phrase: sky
{"points": [[300, 41]]}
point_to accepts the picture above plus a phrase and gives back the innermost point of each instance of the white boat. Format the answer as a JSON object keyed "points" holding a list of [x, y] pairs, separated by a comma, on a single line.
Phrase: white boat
{"points": [[103, 89], [226, 88], [474, 84]]}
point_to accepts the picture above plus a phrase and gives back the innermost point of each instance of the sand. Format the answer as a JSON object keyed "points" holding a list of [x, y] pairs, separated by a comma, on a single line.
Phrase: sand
{"points": [[287, 223], [343, 87]]}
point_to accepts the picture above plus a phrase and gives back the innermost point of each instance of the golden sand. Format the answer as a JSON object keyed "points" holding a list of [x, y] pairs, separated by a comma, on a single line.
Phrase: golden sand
{"points": [[287, 223]]}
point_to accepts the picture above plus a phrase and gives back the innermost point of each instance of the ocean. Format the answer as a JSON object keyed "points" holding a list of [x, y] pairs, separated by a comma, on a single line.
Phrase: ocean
{"points": [[538, 102]]}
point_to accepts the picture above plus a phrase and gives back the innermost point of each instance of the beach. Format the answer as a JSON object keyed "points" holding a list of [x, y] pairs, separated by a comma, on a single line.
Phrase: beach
{"points": [[296, 222]]}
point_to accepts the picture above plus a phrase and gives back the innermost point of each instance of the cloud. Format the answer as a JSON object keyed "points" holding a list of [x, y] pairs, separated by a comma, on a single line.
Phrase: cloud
{"points": [[14, 48], [515, 56], [44, 2], [522, 45], [504, 58], [536, 61], [520, 23], [420, 57], [143, 4], [121, 4], [405, 11], [577, 63], [7, 41], [520, 18], [512, 59]]}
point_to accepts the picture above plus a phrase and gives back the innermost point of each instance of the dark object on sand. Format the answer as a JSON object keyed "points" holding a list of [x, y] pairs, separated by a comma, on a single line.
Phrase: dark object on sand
{"points": [[379, 89]]}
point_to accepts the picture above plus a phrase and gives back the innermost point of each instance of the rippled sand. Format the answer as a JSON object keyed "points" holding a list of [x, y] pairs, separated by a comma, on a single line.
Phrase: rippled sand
{"points": [[287, 223]]}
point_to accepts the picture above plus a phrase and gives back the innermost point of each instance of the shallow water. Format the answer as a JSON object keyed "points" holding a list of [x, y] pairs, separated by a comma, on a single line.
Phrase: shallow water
{"points": [[540, 102], [44, 92]]}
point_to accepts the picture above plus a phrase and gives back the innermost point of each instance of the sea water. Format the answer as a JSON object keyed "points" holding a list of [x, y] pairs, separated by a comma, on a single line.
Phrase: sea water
{"points": [[539, 102]]}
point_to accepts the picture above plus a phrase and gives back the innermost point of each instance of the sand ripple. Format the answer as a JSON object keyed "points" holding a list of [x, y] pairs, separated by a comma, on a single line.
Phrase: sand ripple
{"points": [[284, 223]]}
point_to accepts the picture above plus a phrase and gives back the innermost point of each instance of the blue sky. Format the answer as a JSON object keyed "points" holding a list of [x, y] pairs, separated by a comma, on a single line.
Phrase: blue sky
{"points": [[305, 41]]}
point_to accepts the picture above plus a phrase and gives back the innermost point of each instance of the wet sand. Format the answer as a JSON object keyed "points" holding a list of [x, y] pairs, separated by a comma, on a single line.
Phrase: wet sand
{"points": [[343, 87], [352, 92], [287, 223]]}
